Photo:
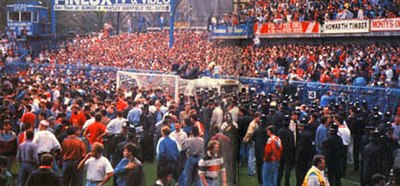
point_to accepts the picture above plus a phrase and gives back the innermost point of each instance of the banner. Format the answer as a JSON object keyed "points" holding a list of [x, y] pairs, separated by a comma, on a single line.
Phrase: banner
{"points": [[345, 26], [287, 28], [228, 30], [113, 5], [385, 24]]}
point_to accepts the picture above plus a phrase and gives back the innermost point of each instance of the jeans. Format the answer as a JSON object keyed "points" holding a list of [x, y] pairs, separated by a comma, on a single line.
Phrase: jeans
{"points": [[244, 153], [24, 171], [251, 164], [190, 171], [71, 175], [270, 173], [212, 182], [91, 184]]}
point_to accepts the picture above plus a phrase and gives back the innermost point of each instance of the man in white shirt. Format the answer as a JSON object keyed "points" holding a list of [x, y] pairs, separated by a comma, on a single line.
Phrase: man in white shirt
{"points": [[45, 140], [115, 125], [217, 116], [98, 168], [344, 133], [178, 135]]}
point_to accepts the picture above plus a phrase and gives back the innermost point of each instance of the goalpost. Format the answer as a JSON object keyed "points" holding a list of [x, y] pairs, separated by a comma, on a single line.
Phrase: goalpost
{"points": [[169, 84]]}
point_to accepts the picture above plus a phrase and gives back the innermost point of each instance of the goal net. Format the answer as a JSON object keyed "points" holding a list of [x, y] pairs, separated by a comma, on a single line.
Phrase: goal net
{"points": [[169, 84], [174, 85]]}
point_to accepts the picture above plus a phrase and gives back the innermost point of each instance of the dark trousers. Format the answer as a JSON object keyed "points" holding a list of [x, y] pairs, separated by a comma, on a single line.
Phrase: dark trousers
{"points": [[344, 159], [285, 165], [171, 165], [334, 175], [301, 171], [356, 153], [259, 164], [71, 175], [148, 153]]}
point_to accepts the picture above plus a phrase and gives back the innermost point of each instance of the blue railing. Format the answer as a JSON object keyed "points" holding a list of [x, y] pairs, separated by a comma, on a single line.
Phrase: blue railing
{"points": [[387, 99]]}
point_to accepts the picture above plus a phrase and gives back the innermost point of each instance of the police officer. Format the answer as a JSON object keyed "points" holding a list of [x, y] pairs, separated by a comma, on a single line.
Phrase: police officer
{"points": [[304, 151], [287, 158], [389, 145], [332, 150], [356, 124], [147, 121], [372, 159]]}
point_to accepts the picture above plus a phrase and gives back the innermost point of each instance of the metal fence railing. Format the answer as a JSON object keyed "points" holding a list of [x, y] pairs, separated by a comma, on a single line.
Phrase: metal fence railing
{"points": [[387, 99]]}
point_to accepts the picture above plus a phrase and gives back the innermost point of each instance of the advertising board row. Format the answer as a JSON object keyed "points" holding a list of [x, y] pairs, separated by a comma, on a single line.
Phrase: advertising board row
{"points": [[329, 27], [113, 5], [227, 30]]}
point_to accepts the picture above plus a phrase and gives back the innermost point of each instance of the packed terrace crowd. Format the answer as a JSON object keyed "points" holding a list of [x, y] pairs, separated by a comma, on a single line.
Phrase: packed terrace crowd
{"points": [[351, 64], [281, 11]]}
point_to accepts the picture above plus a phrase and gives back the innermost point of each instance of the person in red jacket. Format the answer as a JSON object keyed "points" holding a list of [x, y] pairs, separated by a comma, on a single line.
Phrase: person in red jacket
{"points": [[272, 156], [77, 118]]}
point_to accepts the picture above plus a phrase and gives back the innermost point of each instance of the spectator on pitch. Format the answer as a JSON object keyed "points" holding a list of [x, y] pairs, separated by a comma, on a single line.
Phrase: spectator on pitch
{"points": [[211, 166], [98, 168], [44, 176], [73, 150], [28, 158]]}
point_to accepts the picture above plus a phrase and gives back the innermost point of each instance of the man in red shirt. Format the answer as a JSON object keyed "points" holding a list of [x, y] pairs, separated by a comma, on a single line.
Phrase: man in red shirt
{"points": [[96, 131], [77, 118], [73, 149], [272, 156]]}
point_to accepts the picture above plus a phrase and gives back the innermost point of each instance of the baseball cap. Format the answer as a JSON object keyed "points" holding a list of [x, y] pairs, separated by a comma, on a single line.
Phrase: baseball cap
{"points": [[44, 123]]}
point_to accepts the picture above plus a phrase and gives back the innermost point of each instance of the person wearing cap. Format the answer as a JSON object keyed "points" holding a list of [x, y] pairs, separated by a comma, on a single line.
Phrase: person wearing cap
{"points": [[73, 150], [27, 157], [44, 176], [304, 151], [52, 124], [45, 140], [332, 149], [389, 145], [294, 123], [371, 159], [356, 123], [287, 161], [147, 121]]}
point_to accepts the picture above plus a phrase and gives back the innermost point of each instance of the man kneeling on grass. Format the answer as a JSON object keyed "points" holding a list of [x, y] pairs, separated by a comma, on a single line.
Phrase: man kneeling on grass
{"points": [[98, 168]]}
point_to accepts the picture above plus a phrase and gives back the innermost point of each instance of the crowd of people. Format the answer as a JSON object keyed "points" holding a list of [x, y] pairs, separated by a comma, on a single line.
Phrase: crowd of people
{"points": [[267, 11], [193, 55], [56, 129]]}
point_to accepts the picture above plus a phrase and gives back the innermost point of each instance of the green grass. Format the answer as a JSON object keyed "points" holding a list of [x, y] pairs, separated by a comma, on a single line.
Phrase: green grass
{"points": [[244, 179], [150, 169]]}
